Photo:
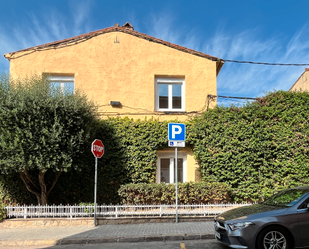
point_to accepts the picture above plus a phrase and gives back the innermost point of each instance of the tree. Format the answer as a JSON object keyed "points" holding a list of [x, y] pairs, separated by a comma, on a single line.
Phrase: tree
{"points": [[42, 130]]}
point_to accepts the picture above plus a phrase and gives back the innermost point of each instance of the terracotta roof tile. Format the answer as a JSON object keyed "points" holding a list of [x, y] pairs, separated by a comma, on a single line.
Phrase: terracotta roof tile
{"points": [[127, 28]]}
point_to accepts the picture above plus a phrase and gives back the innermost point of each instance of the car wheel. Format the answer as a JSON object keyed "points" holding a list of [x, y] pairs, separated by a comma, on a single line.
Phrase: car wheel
{"points": [[274, 238]]}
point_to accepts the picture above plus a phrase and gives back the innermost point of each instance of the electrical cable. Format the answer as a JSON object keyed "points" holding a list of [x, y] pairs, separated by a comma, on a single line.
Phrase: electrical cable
{"points": [[267, 63], [145, 112], [230, 97], [148, 112]]}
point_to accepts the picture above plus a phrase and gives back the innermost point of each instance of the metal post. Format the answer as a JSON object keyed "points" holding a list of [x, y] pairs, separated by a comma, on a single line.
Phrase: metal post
{"points": [[176, 180], [95, 191]]}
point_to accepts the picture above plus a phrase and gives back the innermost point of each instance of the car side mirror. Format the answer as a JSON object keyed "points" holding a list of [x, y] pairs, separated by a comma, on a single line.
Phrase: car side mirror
{"points": [[308, 206]]}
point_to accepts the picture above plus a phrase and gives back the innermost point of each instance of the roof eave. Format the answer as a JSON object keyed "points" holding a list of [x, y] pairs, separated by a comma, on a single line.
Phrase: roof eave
{"points": [[220, 64], [7, 56], [86, 36]]}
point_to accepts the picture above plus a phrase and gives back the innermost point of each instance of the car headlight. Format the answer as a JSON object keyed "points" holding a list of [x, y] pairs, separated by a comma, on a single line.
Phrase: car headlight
{"points": [[240, 225]]}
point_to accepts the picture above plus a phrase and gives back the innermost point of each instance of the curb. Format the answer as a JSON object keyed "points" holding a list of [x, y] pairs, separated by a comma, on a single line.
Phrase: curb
{"points": [[62, 222], [69, 241]]}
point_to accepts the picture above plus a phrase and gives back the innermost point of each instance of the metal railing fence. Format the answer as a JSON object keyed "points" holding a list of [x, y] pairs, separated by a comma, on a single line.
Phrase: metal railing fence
{"points": [[117, 211]]}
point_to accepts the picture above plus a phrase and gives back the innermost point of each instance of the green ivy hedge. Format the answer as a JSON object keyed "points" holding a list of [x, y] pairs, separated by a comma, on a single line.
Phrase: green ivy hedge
{"points": [[257, 149], [188, 193], [130, 149]]}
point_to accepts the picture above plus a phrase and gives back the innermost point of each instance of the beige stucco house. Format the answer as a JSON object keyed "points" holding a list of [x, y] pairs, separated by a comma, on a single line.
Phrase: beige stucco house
{"points": [[302, 83], [128, 73]]}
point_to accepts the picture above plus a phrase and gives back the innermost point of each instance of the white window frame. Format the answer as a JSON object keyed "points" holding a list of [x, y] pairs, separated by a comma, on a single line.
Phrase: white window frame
{"points": [[170, 82], [171, 156], [62, 79]]}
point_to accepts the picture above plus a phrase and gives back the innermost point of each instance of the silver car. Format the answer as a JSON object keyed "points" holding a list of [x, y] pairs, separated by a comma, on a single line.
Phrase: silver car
{"points": [[280, 222]]}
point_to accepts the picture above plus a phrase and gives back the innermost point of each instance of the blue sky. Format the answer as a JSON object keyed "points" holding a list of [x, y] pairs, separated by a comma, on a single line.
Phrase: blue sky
{"points": [[247, 30]]}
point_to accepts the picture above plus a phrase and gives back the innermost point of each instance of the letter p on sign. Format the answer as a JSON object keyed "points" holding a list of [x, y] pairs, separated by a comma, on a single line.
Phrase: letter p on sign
{"points": [[176, 132], [176, 129]]}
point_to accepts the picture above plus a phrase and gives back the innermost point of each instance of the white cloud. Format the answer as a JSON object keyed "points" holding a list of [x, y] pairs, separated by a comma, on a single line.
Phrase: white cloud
{"points": [[254, 80], [57, 26], [164, 27], [43, 28], [80, 14], [6, 45], [298, 43], [161, 26]]}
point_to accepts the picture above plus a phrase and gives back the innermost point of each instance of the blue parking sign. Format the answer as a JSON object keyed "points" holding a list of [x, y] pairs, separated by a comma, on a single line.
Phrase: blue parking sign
{"points": [[176, 132]]}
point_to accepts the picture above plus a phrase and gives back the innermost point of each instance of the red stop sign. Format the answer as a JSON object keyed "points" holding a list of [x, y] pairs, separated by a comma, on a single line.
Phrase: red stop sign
{"points": [[97, 148]]}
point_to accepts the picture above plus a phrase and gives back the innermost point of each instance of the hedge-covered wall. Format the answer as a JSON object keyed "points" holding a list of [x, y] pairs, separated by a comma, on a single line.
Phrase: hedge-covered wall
{"points": [[257, 149], [130, 148]]}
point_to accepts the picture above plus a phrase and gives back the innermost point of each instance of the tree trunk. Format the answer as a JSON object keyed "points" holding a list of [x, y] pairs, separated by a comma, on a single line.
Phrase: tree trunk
{"points": [[43, 188], [41, 193]]}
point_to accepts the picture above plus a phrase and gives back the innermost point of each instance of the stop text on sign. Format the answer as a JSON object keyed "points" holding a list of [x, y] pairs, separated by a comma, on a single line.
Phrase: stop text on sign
{"points": [[97, 148]]}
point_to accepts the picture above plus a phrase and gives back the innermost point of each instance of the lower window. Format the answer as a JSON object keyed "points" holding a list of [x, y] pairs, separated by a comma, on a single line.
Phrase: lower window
{"points": [[166, 169]]}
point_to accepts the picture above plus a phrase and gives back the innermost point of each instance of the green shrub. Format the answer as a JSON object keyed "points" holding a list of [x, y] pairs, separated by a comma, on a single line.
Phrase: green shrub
{"points": [[188, 193], [2, 211], [90, 210]]}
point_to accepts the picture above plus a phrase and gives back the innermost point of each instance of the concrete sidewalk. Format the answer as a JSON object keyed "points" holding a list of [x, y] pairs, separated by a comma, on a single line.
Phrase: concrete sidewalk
{"points": [[45, 236]]}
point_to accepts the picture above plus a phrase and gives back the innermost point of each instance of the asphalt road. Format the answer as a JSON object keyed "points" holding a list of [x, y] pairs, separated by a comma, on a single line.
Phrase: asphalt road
{"points": [[198, 244]]}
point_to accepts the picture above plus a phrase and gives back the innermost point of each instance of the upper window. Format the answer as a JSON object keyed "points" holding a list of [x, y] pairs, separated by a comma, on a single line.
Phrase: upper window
{"points": [[170, 94], [62, 83]]}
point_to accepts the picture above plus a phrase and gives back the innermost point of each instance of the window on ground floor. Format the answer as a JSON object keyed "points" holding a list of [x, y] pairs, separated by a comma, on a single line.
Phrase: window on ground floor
{"points": [[166, 168]]}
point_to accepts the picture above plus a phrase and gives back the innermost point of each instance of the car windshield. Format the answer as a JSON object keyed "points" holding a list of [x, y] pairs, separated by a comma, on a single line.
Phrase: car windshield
{"points": [[286, 198]]}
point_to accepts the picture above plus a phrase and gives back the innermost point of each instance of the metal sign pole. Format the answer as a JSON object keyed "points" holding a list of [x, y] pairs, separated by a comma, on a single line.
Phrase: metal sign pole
{"points": [[97, 149], [95, 191], [176, 180], [176, 138]]}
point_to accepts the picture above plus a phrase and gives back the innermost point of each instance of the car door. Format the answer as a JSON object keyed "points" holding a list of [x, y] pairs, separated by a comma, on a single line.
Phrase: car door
{"points": [[303, 222]]}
